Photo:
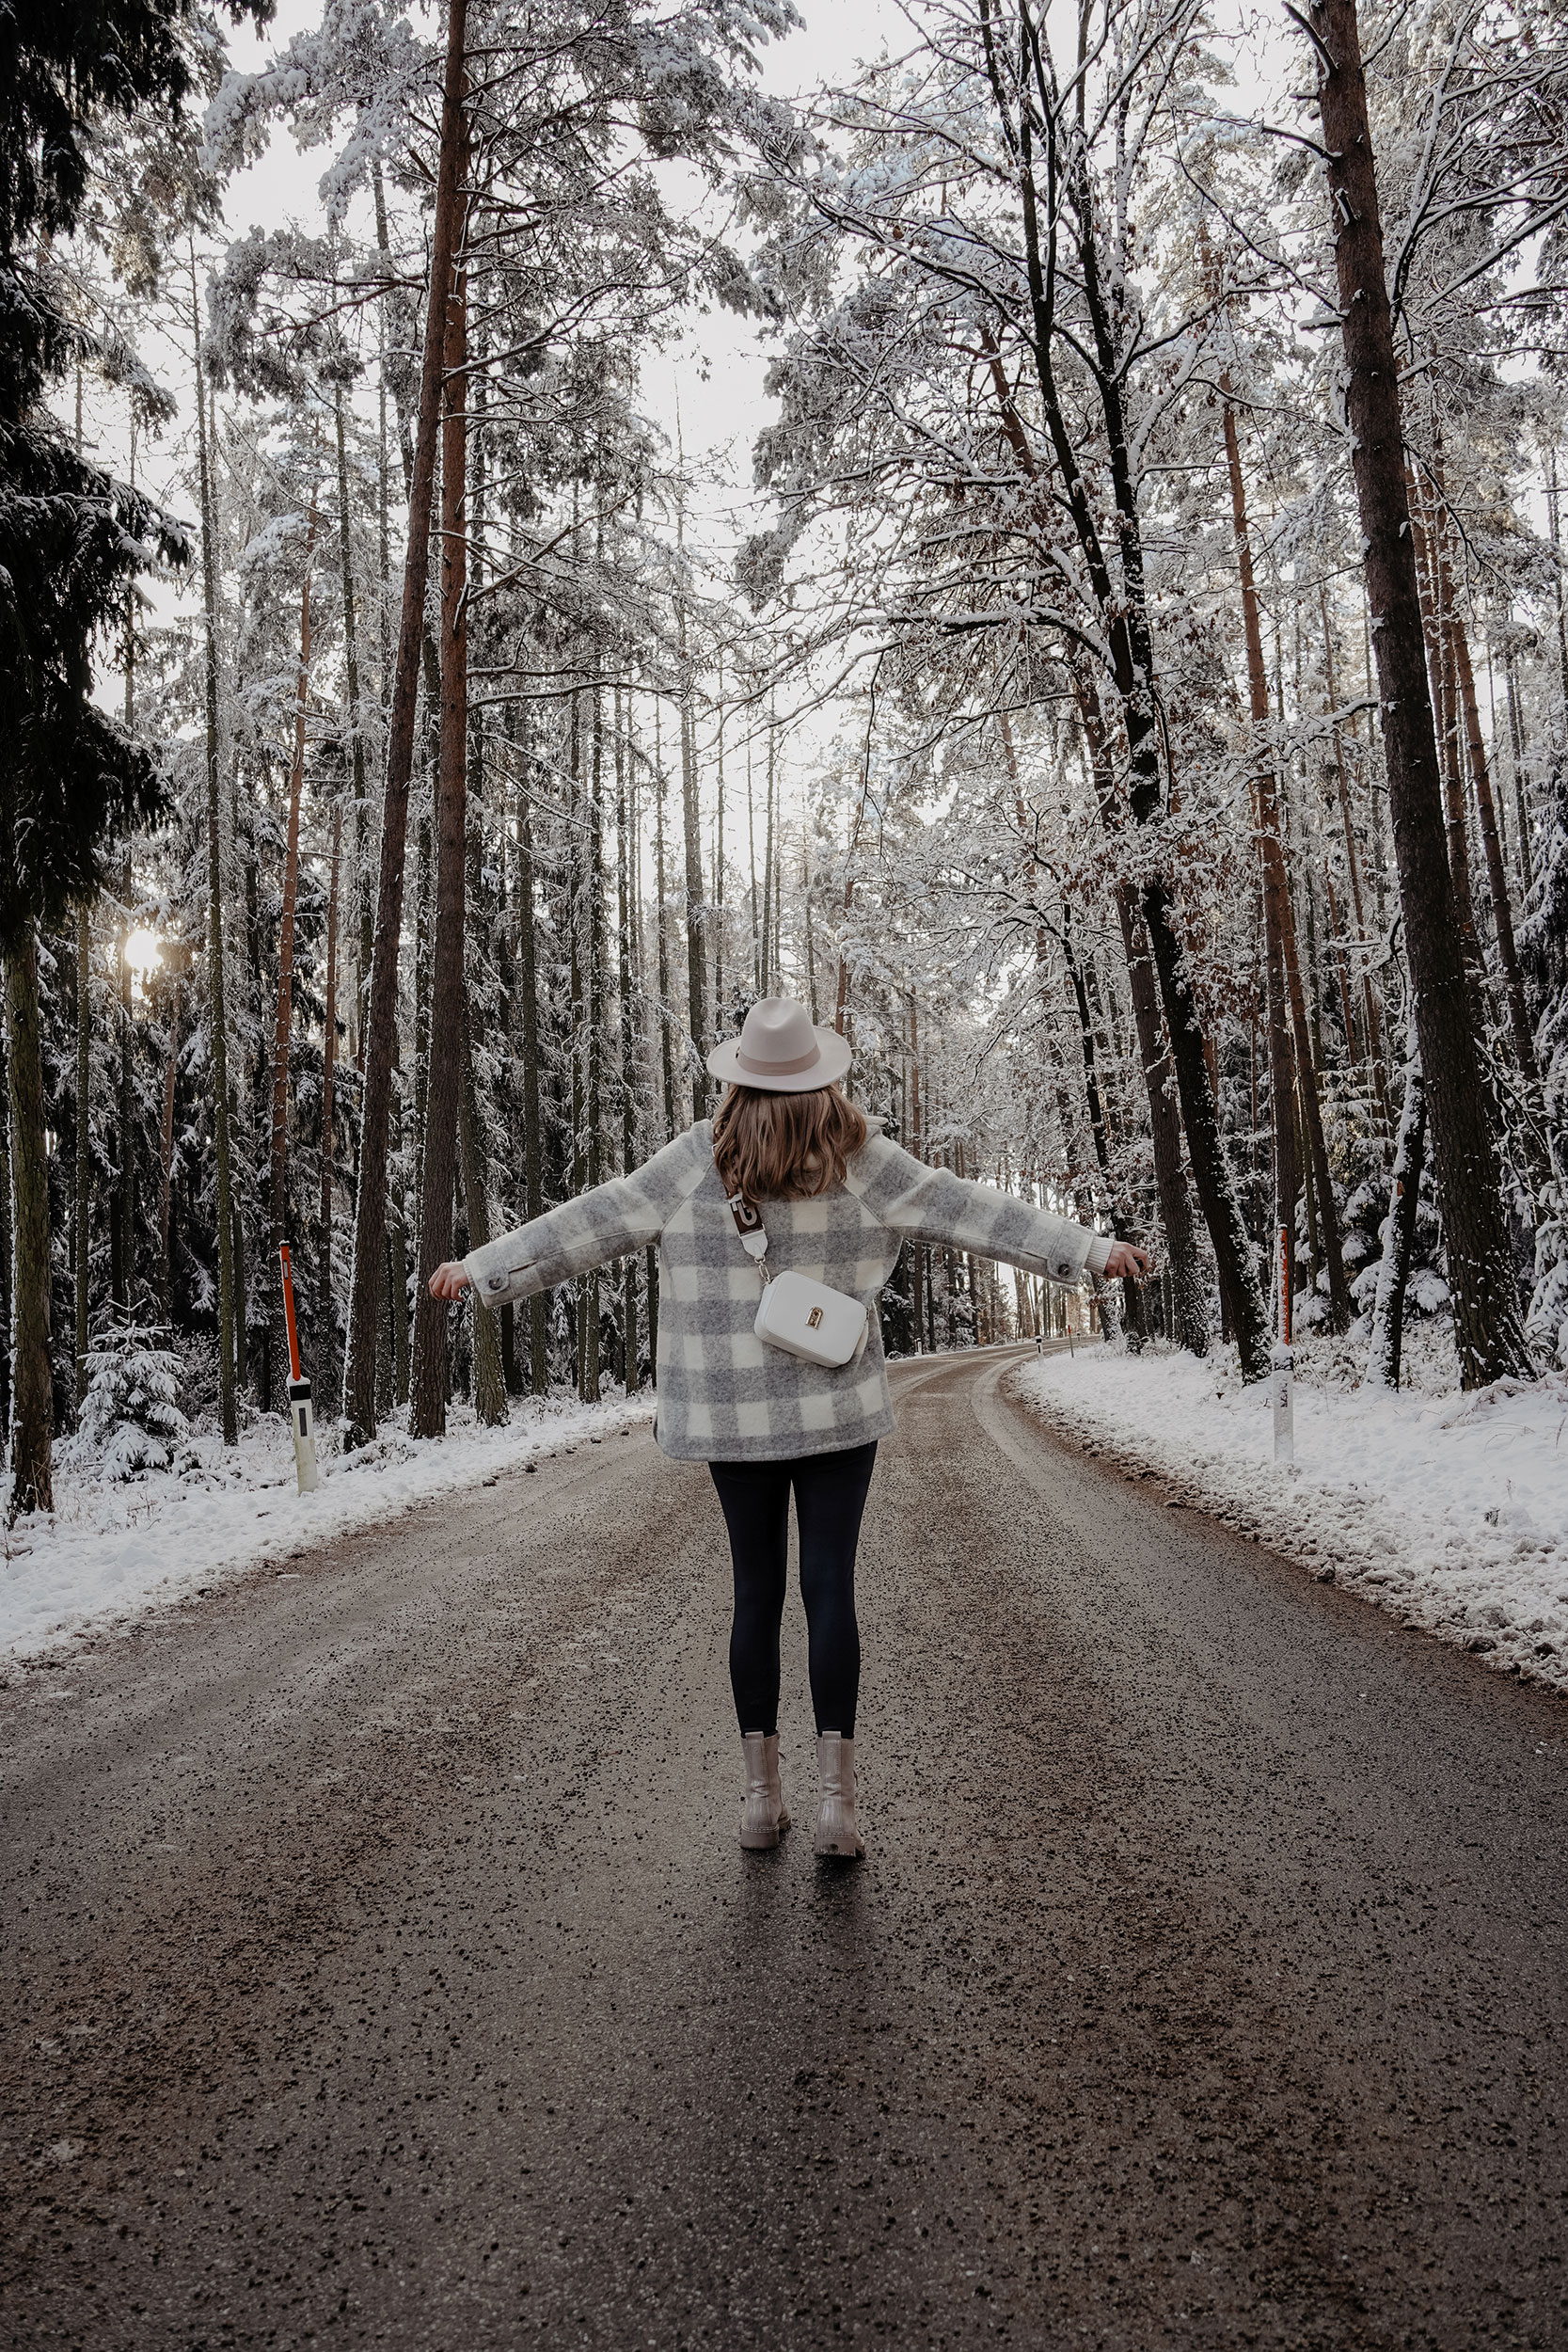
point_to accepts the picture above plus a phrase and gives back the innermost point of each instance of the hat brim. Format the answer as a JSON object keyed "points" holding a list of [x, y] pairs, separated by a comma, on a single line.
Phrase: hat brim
{"points": [[832, 1063]]}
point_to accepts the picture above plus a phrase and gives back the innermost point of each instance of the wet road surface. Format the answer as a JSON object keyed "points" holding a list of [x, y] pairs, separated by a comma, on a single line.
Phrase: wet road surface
{"points": [[381, 1968]]}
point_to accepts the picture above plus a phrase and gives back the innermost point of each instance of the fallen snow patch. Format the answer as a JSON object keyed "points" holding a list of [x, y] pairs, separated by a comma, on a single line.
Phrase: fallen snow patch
{"points": [[1452, 1509], [113, 1548]]}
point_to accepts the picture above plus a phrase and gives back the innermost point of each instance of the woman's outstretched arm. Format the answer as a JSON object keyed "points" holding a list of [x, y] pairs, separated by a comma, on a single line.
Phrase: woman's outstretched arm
{"points": [[931, 1204], [626, 1214]]}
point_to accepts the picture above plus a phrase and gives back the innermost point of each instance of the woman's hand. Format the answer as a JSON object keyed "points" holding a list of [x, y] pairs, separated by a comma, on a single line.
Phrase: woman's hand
{"points": [[1125, 1258], [449, 1280]]}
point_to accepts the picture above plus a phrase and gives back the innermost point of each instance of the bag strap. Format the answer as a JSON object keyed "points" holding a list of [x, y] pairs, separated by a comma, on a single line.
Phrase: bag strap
{"points": [[753, 1236]]}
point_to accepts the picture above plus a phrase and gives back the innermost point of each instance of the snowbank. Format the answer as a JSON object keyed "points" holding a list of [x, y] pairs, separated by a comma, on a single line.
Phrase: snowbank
{"points": [[1450, 1509], [111, 1548]]}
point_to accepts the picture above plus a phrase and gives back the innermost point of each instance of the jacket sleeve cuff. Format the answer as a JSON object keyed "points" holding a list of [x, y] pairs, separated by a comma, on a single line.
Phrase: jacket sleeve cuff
{"points": [[1099, 1251], [495, 1282]]}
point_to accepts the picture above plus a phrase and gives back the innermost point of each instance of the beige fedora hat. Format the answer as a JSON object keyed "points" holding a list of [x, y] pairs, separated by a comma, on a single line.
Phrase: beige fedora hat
{"points": [[779, 1052]]}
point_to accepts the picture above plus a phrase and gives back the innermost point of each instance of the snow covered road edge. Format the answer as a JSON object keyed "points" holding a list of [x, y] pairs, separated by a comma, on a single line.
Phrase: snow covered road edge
{"points": [[119, 1549], [1451, 1511]]}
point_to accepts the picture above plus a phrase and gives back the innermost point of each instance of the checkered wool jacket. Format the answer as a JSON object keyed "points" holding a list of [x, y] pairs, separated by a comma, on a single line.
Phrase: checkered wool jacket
{"points": [[723, 1394]]}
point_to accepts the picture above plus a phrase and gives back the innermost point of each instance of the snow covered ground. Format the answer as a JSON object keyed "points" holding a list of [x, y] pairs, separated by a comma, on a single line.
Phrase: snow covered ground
{"points": [[1450, 1509], [113, 1548]]}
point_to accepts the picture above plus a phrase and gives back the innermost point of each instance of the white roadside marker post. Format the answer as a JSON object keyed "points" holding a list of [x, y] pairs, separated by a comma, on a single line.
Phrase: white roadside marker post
{"points": [[301, 1418], [1282, 1367]]}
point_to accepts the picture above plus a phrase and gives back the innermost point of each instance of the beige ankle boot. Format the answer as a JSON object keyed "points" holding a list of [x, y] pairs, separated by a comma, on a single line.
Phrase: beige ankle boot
{"points": [[838, 1832], [763, 1815]]}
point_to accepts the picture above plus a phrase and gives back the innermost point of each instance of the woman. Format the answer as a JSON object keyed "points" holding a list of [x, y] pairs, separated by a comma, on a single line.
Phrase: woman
{"points": [[837, 1202]]}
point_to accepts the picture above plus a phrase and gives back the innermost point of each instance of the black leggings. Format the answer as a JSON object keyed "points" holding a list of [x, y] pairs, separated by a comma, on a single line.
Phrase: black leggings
{"points": [[829, 1497]]}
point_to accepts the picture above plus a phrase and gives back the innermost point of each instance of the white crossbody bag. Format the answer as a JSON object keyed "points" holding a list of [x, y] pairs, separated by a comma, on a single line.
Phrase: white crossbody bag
{"points": [[802, 1317]]}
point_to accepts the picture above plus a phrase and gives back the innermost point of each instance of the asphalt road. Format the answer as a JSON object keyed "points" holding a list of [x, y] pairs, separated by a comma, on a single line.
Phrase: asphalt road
{"points": [[380, 1967]]}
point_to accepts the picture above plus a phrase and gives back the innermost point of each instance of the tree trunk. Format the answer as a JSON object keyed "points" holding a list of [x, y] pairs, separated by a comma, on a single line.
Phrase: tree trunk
{"points": [[1399, 1235], [82, 1234], [576, 1020], [810, 943], [165, 1161], [325, 1335], [356, 721], [1488, 1329], [598, 998], [1283, 964], [366, 922], [1086, 1032], [370, 1208], [398, 1304], [1131, 1297], [32, 1415], [5, 1266], [1369, 993], [237, 1245], [778, 895], [666, 1047], [278, 1159], [1191, 1307], [696, 960], [1516, 747], [629, 1034], [1496, 877], [125, 1191], [1217, 1190], [125, 1219], [1277, 910], [1555, 532], [717, 1022], [1282, 1093], [841, 1006], [1338, 1293], [1309, 1190], [534, 1171], [424, 948], [428, 1408], [218, 1016], [752, 869], [490, 1380], [1176, 1205], [768, 950], [1443, 685], [921, 1271], [1337, 942]]}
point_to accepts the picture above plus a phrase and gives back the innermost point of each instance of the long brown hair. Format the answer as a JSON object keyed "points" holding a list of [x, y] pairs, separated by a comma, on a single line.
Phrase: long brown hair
{"points": [[784, 1147]]}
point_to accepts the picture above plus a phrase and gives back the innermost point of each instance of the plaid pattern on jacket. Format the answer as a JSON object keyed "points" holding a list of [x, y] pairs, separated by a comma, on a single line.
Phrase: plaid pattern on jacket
{"points": [[723, 1394]]}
